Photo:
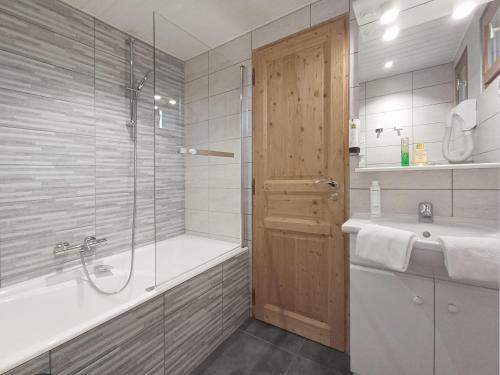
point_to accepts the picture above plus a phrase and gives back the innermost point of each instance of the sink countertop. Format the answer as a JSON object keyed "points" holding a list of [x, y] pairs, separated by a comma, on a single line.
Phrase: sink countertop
{"points": [[442, 226]]}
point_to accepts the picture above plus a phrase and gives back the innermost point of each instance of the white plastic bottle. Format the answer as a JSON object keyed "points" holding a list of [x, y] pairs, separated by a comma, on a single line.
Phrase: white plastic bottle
{"points": [[375, 205]]}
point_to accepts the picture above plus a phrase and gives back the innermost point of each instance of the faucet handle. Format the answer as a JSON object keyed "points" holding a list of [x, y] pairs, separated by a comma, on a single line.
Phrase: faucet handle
{"points": [[93, 241], [425, 209]]}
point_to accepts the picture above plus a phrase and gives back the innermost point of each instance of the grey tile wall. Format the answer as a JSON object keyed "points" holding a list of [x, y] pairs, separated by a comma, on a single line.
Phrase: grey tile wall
{"points": [[236, 298], [66, 155], [75, 355], [38, 365], [141, 355], [170, 334], [185, 348]]}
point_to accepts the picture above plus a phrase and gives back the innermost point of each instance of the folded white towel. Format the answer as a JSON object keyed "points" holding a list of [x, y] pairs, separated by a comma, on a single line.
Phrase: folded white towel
{"points": [[472, 258], [388, 246]]}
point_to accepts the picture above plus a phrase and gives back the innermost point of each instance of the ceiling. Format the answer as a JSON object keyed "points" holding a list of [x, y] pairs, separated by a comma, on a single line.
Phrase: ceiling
{"points": [[428, 35], [197, 24]]}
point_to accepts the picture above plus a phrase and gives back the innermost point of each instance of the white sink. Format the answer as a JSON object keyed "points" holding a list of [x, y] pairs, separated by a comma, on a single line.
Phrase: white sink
{"points": [[427, 257], [427, 232]]}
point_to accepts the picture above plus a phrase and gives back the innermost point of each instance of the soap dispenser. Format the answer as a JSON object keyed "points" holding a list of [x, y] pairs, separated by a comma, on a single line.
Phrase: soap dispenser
{"points": [[375, 205]]}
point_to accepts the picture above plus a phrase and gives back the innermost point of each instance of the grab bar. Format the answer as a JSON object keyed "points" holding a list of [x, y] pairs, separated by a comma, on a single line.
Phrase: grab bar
{"points": [[196, 151]]}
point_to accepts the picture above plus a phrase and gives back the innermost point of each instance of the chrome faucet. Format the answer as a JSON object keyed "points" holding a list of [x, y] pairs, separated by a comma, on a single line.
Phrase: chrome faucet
{"points": [[87, 248], [425, 212]]}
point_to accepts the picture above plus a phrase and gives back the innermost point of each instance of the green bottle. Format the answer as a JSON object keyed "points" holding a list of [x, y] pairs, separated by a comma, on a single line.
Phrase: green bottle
{"points": [[405, 152]]}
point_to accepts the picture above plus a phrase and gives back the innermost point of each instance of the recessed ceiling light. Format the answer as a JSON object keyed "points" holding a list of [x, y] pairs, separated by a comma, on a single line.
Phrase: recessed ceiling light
{"points": [[389, 64], [172, 101], [389, 16], [462, 10], [157, 97], [391, 33]]}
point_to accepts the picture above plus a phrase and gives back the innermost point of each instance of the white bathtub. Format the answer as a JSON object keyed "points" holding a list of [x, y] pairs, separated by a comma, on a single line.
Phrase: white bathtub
{"points": [[40, 314]]}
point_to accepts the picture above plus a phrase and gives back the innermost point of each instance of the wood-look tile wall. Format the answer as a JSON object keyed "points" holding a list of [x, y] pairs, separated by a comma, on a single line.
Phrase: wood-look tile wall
{"points": [[170, 334], [65, 153]]}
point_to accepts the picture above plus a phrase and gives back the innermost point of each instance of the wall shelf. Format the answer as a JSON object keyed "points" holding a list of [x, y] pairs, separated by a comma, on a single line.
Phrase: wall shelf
{"points": [[429, 167]]}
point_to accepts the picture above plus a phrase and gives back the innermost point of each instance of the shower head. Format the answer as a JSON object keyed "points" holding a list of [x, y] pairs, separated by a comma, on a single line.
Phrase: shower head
{"points": [[143, 80]]}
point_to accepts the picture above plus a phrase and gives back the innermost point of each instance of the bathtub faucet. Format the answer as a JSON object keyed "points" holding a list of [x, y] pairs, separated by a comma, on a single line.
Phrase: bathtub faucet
{"points": [[87, 248]]}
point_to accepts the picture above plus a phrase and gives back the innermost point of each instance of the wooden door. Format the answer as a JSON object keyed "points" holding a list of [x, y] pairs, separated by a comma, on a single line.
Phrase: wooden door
{"points": [[300, 141]]}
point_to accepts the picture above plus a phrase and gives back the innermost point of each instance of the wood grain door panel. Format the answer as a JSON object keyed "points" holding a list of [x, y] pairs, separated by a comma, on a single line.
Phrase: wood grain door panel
{"points": [[300, 120]]}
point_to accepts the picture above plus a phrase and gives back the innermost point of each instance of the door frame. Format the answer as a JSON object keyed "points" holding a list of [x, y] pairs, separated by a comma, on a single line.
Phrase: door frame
{"points": [[344, 346]]}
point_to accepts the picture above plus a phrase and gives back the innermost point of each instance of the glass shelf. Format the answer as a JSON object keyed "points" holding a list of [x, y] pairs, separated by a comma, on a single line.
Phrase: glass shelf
{"points": [[429, 167]]}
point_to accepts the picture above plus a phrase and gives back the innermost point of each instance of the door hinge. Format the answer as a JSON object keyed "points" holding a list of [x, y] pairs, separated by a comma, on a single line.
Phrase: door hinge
{"points": [[253, 76], [253, 296], [253, 186]]}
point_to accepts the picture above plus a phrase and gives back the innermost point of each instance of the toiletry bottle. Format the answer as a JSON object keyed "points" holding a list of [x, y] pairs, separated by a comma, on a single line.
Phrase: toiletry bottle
{"points": [[354, 125], [420, 157], [375, 205], [405, 151]]}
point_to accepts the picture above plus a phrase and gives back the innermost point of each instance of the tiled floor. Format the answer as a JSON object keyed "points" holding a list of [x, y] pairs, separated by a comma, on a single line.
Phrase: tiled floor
{"points": [[260, 349]]}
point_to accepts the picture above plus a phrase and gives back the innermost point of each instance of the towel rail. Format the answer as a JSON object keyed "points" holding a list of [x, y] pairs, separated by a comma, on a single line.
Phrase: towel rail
{"points": [[196, 151]]}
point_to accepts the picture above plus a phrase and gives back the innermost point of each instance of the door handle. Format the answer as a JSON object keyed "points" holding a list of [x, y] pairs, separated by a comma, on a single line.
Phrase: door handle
{"points": [[333, 184]]}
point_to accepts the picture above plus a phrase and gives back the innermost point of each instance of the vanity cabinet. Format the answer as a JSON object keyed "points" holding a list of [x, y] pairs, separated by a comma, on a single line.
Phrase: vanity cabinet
{"points": [[403, 324], [466, 330], [392, 323]]}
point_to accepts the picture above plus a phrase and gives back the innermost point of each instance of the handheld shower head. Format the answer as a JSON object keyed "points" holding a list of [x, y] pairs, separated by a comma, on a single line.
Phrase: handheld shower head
{"points": [[143, 80]]}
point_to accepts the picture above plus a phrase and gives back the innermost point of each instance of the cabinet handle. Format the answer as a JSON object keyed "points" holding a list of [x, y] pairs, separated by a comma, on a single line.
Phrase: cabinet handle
{"points": [[417, 300], [452, 308]]}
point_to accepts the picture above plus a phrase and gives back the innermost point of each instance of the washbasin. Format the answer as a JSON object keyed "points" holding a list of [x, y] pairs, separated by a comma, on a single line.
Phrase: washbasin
{"points": [[427, 232]]}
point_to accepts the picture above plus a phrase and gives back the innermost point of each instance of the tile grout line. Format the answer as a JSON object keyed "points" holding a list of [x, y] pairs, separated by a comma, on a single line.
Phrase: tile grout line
{"points": [[267, 342], [290, 364], [294, 354]]}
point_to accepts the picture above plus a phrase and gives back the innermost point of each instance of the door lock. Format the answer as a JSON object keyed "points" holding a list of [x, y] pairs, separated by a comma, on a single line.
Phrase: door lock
{"points": [[334, 196]]}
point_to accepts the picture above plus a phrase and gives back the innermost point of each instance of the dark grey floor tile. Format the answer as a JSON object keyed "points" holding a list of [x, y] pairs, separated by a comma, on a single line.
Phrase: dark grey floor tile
{"points": [[243, 354], [326, 356], [274, 335], [303, 366]]}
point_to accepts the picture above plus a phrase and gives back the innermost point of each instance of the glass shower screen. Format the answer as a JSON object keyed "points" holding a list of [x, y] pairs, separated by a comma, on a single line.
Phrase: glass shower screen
{"points": [[198, 169]]}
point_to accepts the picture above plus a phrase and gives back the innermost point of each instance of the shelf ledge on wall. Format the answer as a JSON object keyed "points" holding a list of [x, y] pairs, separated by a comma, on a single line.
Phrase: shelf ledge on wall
{"points": [[429, 167]]}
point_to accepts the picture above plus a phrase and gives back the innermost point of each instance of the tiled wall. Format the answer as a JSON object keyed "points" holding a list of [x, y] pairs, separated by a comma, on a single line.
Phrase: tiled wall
{"points": [[459, 193], [417, 102], [170, 334], [213, 184], [65, 152], [212, 121]]}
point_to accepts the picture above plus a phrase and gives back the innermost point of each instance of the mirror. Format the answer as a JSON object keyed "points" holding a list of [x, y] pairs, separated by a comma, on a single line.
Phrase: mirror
{"points": [[418, 80]]}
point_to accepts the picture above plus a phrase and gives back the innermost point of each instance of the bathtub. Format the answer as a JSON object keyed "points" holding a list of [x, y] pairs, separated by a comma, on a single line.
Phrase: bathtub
{"points": [[41, 314]]}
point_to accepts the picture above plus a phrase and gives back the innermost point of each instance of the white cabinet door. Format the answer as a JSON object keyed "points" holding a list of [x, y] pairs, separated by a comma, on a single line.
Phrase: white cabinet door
{"points": [[466, 330], [392, 323]]}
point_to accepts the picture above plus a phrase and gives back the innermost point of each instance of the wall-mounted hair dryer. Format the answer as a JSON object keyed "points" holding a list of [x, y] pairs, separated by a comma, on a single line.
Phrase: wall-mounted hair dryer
{"points": [[465, 116]]}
